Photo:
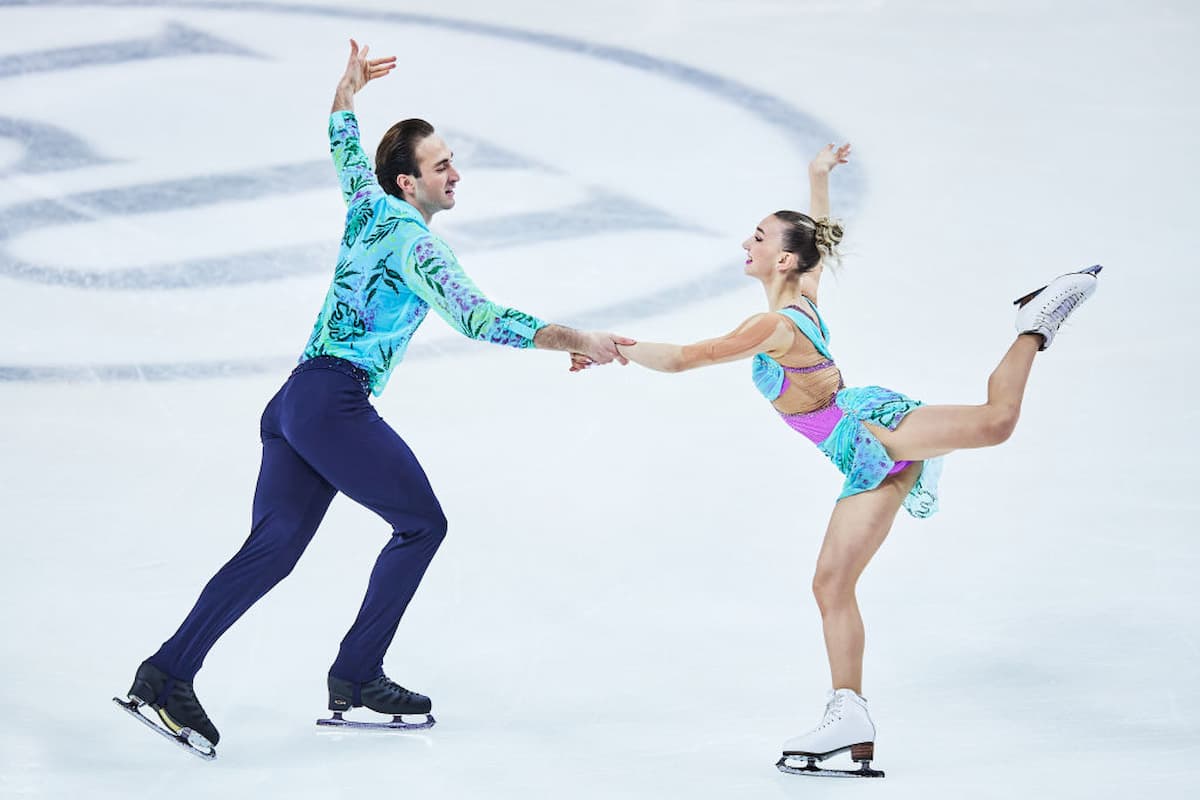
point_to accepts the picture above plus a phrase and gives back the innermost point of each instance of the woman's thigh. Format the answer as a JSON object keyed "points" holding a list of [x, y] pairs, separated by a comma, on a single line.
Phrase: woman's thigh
{"points": [[931, 431], [860, 523]]}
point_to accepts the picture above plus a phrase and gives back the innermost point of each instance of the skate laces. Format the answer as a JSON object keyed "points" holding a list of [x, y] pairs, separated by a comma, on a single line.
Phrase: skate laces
{"points": [[1053, 318], [833, 710], [1066, 306], [392, 686]]}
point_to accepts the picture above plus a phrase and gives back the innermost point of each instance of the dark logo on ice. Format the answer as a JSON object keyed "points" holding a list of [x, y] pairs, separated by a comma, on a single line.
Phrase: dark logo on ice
{"points": [[75, 180]]}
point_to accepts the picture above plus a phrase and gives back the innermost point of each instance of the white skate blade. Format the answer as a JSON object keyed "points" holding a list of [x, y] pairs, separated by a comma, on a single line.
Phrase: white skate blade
{"points": [[182, 738], [397, 723], [810, 768]]}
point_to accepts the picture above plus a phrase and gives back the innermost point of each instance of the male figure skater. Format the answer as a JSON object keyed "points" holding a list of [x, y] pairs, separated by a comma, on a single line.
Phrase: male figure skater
{"points": [[321, 435]]}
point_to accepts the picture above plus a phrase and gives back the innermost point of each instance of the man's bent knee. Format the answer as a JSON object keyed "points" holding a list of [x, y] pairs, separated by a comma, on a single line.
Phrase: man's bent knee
{"points": [[431, 525]]}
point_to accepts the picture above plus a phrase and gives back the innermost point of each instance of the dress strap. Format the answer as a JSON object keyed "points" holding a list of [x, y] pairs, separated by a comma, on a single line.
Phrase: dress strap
{"points": [[815, 332]]}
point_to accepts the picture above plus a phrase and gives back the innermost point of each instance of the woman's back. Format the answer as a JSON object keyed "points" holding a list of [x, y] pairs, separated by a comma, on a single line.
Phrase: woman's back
{"points": [[810, 378]]}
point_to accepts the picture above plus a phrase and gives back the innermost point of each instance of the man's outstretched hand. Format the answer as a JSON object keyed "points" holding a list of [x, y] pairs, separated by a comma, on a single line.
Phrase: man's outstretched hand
{"points": [[360, 71]]}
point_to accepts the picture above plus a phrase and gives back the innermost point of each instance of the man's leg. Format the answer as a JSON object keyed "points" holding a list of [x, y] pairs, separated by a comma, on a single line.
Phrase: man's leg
{"points": [[360, 455], [289, 503]]}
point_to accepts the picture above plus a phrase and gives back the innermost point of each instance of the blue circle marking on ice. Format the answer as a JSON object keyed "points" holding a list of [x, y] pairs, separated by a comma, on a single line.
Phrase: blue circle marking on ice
{"points": [[52, 150]]}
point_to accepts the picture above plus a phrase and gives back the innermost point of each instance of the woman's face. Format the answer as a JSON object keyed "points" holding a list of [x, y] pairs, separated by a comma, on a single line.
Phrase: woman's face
{"points": [[764, 248]]}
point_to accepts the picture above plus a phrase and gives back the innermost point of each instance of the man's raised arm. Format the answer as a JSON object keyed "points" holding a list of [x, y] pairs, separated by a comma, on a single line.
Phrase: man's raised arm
{"points": [[353, 167]]}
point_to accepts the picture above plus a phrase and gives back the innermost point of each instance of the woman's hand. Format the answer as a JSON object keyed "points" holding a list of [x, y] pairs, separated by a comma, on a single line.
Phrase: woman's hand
{"points": [[829, 157]]}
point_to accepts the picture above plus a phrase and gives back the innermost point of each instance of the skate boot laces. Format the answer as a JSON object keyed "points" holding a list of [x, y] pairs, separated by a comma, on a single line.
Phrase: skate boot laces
{"points": [[1058, 315], [391, 686], [1067, 305], [833, 710]]}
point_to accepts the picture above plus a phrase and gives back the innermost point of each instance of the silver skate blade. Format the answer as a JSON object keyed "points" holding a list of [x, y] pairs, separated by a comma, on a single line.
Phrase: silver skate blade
{"points": [[1092, 270], [811, 768], [180, 738], [397, 723]]}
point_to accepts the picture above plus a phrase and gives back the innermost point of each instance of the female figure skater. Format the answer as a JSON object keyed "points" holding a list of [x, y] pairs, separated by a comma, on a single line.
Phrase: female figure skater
{"points": [[887, 445]]}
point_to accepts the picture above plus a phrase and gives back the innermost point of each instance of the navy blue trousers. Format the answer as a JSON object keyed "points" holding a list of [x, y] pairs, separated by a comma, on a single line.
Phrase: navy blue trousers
{"points": [[321, 436]]}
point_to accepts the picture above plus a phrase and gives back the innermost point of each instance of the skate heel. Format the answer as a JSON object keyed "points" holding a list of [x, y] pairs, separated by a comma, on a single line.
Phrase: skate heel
{"points": [[862, 752], [342, 695], [141, 693]]}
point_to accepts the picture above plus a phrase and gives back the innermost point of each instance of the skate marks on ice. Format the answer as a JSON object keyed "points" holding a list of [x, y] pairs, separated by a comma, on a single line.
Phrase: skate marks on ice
{"points": [[186, 738], [863, 753], [397, 723]]}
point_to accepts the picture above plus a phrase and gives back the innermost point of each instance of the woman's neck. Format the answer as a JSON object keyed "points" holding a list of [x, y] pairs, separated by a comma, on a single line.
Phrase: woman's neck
{"points": [[789, 291]]}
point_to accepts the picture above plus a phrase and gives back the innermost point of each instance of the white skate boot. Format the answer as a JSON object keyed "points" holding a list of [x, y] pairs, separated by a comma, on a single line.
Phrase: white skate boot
{"points": [[845, 726], [1042, 311]]}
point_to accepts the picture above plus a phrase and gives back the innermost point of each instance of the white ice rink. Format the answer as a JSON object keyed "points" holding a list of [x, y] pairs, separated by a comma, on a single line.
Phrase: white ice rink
{"points": [[622, 607]]}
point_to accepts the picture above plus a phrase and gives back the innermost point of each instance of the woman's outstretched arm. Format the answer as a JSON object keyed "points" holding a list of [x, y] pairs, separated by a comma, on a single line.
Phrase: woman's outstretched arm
{"points": [[818, 178], [762, 333]]}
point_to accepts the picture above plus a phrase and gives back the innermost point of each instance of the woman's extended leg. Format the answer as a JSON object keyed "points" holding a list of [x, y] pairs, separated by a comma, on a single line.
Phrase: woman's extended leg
{"points": [[932, 431], [857, 528]]}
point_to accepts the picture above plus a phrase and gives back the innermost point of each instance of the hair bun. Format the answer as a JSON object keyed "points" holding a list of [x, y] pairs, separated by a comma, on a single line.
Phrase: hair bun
{"points": [[828, 233]]}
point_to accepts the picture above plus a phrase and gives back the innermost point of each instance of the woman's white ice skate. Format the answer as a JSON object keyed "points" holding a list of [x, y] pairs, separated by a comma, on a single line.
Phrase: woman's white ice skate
{"points": [[1043, 310], [845, 726]]}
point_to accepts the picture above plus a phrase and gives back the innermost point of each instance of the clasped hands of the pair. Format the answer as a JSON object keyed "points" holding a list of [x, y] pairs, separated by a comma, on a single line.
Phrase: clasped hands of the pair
{"points": [[601, 348]]}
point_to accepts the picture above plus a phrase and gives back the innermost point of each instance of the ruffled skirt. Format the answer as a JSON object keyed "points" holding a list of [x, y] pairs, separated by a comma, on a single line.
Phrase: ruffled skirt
{"points": [[839, 433]]}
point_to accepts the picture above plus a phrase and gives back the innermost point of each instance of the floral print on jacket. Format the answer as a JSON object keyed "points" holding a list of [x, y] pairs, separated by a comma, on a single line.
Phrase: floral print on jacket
{"points": [[391, 270]]}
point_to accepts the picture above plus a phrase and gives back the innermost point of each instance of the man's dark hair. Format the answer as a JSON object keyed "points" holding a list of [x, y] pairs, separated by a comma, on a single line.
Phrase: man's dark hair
{"points": [[397, 153]]}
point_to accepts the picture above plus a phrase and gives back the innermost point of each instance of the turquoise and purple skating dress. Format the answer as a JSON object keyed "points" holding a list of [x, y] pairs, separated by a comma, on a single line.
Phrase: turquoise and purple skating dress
{"points": [[837, 428]]}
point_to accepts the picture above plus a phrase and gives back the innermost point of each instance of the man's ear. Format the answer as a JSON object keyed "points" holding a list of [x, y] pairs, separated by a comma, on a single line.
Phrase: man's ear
{"points": [[406, 184]]}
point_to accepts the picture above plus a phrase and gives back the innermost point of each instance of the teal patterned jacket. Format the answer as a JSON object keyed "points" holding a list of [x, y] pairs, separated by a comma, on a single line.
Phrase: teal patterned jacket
{"points": [[390, 270]]}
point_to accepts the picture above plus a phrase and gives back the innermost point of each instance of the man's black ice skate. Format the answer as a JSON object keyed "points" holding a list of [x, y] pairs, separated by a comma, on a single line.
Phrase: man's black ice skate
{"points": [[382, 695], [182, 717]]}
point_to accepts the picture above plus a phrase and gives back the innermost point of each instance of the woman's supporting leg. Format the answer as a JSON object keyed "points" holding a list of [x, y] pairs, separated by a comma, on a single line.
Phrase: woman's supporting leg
{"points": [[857, 528], [932, 431]]}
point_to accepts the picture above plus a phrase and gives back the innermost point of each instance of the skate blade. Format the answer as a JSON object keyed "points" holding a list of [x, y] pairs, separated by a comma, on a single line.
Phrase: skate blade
{"points": [[397, 723], [811, 768], [181, 738], [1093, 270]]}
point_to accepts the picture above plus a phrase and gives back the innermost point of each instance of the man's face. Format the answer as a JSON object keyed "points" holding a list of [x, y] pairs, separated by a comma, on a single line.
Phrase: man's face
{"points": [[434, 190]]}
